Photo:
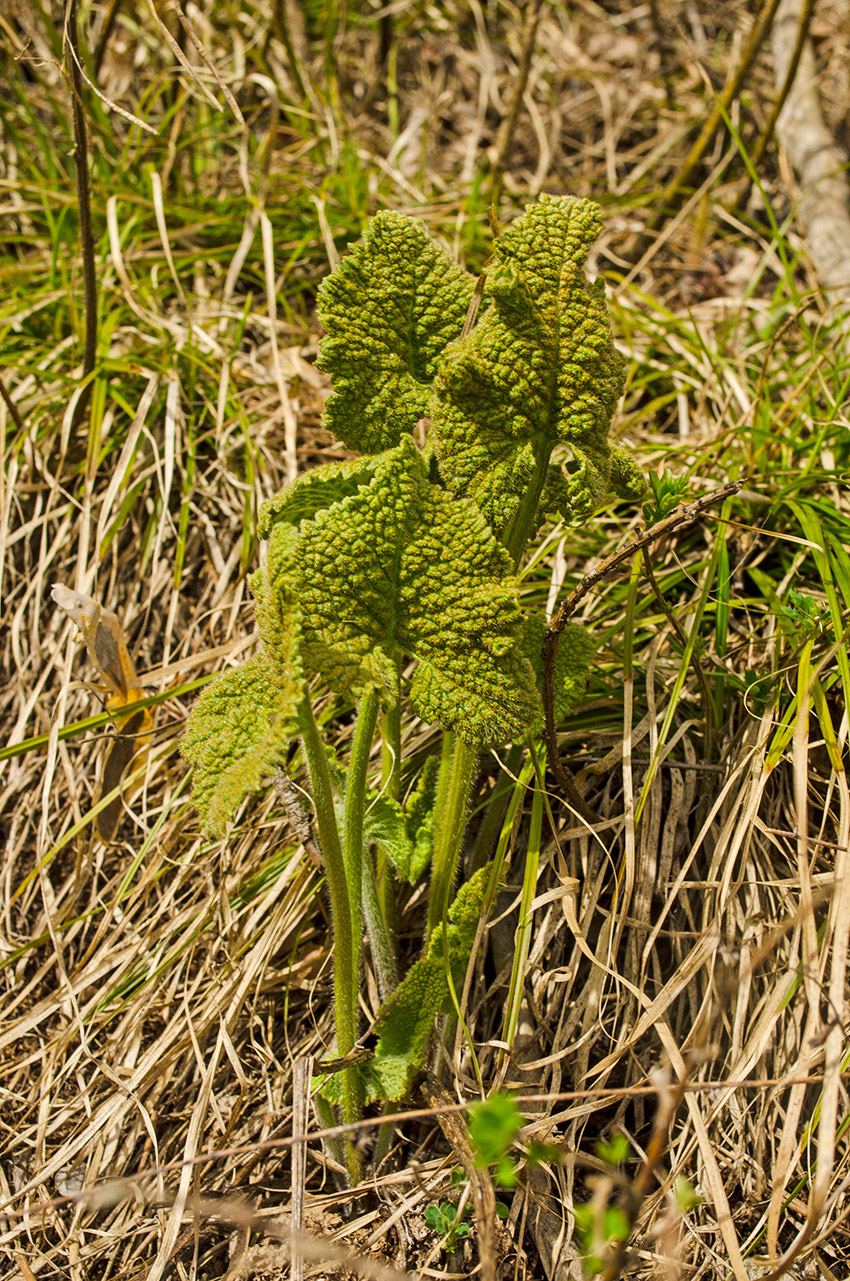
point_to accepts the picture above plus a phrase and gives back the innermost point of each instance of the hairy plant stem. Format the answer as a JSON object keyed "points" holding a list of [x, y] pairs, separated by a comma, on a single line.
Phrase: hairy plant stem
{"points": [[457, 765], [523, 523], [346, 958], [358, 861], [355, 807], [457, 772], [390, 786], [380, 940]]}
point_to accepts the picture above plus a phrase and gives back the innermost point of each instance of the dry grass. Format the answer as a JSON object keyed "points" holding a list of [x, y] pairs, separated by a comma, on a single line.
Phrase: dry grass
{"points": [[157, 990]]}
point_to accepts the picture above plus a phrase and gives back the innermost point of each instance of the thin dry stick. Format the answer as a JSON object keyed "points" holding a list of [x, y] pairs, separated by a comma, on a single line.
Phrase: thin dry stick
{"points": [[684, 515], [84, 207], [675, 191], [12, 407], [480, 1183], [507, 129], [301, 1074]]}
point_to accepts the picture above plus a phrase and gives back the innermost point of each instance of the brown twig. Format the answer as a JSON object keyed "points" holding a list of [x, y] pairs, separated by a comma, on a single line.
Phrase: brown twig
{"points": [[301, 1072], [684, 515], [12, 407], [84, 207]]}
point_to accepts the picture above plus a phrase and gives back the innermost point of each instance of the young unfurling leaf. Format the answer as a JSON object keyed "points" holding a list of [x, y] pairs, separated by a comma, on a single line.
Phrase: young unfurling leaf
{"points": [[539, 369], [389, 310]]}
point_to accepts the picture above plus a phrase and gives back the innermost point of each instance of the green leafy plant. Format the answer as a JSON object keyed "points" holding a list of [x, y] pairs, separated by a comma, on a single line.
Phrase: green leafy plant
{"points": [[493, 1126], [601, 1225], [452, 1225], [453, 1222], [666, 492], [805, 616], [391, 580]]}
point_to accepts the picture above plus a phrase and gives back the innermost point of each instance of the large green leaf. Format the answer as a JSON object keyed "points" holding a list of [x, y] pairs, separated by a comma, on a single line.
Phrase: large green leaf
{"points": [[403, 568], [540, 369], [388, 310]]}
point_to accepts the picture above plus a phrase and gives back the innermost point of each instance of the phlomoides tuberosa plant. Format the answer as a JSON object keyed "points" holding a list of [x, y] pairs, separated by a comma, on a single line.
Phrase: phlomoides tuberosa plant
{"points": [[393, 579]]}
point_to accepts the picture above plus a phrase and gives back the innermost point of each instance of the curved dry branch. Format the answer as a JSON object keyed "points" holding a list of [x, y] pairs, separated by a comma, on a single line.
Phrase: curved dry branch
{"points": [[818, 161]]}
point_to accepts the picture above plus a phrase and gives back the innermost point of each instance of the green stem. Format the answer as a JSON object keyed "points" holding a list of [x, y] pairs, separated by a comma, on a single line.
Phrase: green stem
{"points": [[457, 766], [457, 771], [529, 889], [355, 808], [522, 525], [390, 786], [380, 940], [494, 813], [383, 951], [346, 967], [391, 751]]}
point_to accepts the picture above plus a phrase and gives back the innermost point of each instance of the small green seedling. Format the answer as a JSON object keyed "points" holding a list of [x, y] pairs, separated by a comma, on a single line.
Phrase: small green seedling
{"points": [[804, 616], [443, 1219], [666, 493], [493, 1127], [454, 1224], [390, 580], [597, 1229]]}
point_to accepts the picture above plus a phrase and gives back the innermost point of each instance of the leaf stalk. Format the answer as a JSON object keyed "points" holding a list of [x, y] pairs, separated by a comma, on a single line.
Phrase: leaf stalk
{"points": [[346, 968], [457, 771]]}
